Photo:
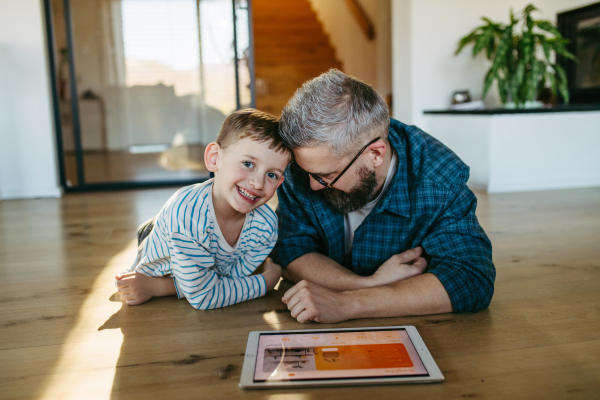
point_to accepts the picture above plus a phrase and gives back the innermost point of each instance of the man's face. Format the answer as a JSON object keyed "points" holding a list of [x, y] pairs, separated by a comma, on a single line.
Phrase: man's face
{"points": [[352, 191]]}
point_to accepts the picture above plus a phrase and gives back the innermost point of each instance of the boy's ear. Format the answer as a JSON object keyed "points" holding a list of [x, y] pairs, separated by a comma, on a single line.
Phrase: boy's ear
{"points": [[211, 156], [280, 181]]}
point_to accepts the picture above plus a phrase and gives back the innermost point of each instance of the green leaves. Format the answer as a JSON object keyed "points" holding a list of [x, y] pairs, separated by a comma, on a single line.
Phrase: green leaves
{"points": [[528, 47], [561, 78], [483, 40], [489, 79], [517, 66], [529, 9], [466, 40], [545, 45], [548, 27]]}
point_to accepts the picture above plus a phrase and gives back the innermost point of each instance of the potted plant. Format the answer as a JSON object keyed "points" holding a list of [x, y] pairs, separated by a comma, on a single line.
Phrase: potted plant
{"points": [[522, 55]]}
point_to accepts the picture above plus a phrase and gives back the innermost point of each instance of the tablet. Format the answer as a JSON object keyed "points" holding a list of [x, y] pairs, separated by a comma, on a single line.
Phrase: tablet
{"points": [[337, 357]]}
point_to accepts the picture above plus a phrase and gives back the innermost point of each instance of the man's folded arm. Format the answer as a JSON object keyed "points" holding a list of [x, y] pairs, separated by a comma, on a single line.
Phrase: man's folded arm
{"points": [[461, 255]]}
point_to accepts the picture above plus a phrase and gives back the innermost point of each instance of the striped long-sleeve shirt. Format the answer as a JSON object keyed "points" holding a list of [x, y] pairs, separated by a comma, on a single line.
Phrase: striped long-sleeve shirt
{"points": [[187, 243]]}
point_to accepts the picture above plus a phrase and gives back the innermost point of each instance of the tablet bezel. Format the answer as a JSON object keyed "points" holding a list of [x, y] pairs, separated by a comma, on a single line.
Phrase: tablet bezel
{"points": [[247, 376]]}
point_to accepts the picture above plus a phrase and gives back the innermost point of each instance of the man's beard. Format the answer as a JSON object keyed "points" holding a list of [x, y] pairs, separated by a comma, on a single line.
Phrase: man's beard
{"points": [[358, 197]]}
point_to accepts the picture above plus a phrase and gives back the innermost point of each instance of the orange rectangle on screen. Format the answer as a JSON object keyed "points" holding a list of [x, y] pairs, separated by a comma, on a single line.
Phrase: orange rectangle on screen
{"points": [[388, 355]]}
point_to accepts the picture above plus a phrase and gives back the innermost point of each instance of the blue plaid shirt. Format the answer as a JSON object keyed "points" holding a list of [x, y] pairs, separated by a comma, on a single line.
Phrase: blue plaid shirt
{"points": [[427, 204]]}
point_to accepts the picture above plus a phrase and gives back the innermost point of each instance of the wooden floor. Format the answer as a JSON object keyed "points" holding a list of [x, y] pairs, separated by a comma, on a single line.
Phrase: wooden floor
{"points": [[62, 335]]}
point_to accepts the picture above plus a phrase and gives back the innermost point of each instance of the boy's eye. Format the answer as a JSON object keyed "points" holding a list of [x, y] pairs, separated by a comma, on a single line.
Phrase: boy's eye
{"points": [[248, 164], [273, 175]]}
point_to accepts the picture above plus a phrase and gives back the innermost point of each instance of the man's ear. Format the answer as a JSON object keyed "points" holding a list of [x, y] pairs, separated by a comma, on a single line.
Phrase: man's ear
{"points": [[212, 154], [378, 150]]}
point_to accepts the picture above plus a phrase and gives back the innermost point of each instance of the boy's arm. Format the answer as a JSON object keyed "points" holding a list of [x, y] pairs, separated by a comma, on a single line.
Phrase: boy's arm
{"points": [[136, 288], [196, 279]]}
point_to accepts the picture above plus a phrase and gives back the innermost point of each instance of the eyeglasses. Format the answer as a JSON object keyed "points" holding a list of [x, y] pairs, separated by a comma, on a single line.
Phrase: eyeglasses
{"points": [[330, 185]]}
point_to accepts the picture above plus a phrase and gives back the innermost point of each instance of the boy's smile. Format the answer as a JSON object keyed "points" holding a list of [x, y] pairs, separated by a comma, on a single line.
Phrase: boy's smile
{"points": [[247, 195], [246, 176]]}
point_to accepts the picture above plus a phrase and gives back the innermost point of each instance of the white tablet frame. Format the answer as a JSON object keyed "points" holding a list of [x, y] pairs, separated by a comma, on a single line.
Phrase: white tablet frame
{"points": [[247, 376]]}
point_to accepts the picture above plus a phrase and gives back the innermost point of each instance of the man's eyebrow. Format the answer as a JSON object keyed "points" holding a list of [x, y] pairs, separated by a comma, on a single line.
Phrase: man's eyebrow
{"points": [[316, 173], [322, 173]]}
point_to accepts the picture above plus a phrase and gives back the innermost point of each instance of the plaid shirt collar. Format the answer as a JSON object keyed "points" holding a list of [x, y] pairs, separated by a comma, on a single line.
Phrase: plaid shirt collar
{"points": [[396, 199]]}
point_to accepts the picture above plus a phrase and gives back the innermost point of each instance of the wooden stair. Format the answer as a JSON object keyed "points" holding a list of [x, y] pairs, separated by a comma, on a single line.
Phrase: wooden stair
{"points": [[290, 47]]}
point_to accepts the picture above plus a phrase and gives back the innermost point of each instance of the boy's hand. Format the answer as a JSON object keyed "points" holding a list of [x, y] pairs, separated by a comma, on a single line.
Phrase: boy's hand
{"points": [[398, 267], [136, 288], [271, 272]]}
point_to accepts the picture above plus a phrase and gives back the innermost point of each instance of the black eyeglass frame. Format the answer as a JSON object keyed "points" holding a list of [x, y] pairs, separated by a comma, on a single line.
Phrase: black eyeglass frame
{"points": [[330, 185]]}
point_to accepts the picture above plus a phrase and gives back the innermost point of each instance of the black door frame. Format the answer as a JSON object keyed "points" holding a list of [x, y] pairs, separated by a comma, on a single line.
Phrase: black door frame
{"points": [[82, 185]]}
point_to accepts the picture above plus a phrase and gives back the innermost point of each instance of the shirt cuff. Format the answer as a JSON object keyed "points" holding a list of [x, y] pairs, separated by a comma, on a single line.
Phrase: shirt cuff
{"points": [[285, 257], [262, 283]]}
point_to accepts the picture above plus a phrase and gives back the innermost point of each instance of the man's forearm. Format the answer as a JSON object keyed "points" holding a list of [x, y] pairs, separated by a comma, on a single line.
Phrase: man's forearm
{"points": [[323, 270], [420, 295]]}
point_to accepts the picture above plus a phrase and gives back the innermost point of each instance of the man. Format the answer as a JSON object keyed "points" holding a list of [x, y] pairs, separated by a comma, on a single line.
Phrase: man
{"points": [[368, 206]]}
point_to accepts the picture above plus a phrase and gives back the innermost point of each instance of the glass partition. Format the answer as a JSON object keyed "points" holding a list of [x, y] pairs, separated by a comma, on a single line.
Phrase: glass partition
{"points": [[144, 85]]}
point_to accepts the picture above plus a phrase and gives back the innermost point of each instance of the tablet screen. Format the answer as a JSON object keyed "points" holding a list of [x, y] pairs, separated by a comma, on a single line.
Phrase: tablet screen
{"points": [[336, 355]]}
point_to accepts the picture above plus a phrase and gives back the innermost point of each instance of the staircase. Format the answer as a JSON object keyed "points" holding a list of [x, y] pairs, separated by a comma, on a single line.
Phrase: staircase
{"points": [[290, 47]]}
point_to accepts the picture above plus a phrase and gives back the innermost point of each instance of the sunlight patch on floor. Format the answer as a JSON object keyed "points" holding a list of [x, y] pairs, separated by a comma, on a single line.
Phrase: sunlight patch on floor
{"points": [[295, 396], [272, 318], [88, 359]]}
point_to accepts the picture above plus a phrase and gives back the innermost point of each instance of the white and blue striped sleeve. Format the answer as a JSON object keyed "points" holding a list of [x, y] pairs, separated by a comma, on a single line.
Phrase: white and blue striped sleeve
{"points": [[196, 279]]}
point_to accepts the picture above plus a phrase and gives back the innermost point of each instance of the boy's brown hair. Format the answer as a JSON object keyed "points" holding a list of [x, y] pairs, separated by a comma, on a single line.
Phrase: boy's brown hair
{"points": [[256, 125]]}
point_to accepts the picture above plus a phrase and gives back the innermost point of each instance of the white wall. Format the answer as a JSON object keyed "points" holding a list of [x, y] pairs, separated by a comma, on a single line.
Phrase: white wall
{"points": [[425, 70], [523, 152], [401, 60], [28, 165]]}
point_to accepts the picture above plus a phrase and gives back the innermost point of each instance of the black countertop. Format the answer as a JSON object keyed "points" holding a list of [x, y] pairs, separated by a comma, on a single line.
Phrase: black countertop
{"points": [[497, 111]]}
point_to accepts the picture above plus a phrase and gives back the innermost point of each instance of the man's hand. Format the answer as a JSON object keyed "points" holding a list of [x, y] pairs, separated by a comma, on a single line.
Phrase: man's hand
{"points": [[309, 301], [398, 267], [136, 288], [271, 272]]}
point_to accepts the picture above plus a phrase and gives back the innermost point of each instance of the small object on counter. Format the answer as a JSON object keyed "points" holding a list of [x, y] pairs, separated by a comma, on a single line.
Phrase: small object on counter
{"points": [[472, 105], [460, 97]]}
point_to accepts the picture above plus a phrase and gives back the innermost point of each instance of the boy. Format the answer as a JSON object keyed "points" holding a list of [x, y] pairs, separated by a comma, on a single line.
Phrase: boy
{"points": [[208, 238]]}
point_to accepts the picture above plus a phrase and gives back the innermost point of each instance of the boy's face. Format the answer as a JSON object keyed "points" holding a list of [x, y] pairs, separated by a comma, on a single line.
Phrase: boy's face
{"points": [[248, 173]]}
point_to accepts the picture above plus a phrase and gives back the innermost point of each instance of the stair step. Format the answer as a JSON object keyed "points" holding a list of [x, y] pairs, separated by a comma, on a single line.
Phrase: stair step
{"points": [[279, 71], [304, 51], [291, 40], [282, 23], [284, 12], [280, 6], [291, 30]]}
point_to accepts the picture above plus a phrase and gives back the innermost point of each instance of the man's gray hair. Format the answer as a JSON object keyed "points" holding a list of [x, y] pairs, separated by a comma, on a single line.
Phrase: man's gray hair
{"points": [[334, 109]]}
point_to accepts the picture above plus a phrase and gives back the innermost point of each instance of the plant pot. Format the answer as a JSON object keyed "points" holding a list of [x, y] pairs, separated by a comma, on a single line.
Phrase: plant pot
{"points": [[527, 105]]}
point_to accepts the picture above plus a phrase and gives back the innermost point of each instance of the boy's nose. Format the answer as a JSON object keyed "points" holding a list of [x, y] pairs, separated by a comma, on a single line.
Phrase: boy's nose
{"points": [[256, 182]]}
